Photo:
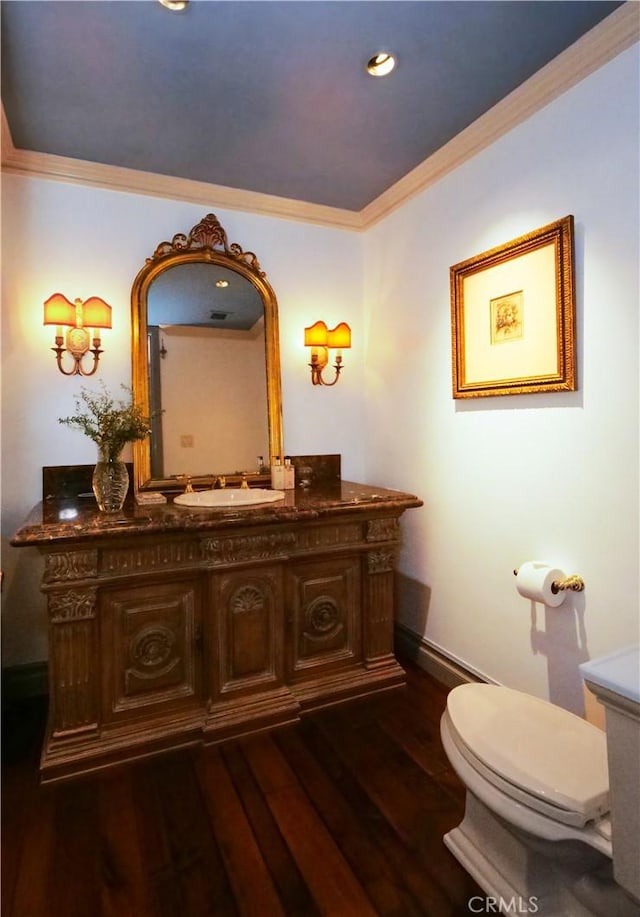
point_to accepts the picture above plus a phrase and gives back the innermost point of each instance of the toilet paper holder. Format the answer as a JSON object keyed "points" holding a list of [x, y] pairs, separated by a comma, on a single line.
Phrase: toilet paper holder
{"points": [[573, 583]]}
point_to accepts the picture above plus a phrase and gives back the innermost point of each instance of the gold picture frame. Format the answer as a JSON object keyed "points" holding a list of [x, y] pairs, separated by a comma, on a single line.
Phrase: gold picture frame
{"points": [[513, 316]]}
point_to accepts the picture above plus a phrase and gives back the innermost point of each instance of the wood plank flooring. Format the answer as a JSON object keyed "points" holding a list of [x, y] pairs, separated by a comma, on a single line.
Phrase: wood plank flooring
{"points": [[341, 815]]}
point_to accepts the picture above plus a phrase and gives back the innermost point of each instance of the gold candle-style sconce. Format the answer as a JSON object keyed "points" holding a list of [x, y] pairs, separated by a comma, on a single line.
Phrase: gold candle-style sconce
{"points": [[321, 339], [77, 317]]}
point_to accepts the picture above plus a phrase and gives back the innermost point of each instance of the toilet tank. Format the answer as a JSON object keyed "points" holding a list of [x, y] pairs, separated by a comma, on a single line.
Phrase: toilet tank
{"points": [[615, 680]]}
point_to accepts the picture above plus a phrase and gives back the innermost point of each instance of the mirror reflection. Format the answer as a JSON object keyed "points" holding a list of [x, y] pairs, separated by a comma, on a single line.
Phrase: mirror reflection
{"points": [[205, 360], [206, 336]]}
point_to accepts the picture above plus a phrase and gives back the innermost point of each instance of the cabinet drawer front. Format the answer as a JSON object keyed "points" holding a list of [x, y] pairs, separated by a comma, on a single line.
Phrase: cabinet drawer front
{"points": [[324, 614], [249, 629], [154, 634]]}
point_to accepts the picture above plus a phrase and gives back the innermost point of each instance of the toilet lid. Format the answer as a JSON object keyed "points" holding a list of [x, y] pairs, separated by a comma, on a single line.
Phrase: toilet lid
{"points": [[534, 745]]}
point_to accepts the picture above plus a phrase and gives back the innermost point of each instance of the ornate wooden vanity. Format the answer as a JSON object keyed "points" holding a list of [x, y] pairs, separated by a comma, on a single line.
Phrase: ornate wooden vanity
{"points": [[171, 626]]}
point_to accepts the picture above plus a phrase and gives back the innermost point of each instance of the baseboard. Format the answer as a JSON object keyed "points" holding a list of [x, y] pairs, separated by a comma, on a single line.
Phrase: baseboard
{"points": [[22, 681], [442, 668]]}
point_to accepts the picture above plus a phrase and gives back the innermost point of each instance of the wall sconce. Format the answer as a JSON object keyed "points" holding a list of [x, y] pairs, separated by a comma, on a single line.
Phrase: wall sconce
{"points": [[77, 317], [321, 339]]}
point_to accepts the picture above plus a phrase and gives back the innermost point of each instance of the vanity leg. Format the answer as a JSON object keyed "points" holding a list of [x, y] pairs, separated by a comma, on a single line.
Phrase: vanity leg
{"points": [[72, 600], [378, 611], [72, 662]]}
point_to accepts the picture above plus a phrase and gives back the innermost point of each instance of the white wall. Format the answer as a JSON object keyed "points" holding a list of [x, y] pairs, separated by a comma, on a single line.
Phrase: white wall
{"points": [[539, 476], [83, 241]]}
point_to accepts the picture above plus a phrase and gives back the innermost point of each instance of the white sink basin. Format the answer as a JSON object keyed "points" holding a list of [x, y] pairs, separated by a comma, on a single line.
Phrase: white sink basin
{"points": [[232, 496]]}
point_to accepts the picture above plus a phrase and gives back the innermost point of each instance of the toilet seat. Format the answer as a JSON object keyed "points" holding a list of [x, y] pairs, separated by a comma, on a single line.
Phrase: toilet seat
{"points": [[535, 752]]}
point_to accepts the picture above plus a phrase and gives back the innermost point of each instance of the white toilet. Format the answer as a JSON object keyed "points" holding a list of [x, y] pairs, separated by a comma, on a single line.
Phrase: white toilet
{"points": [[536, 835]]}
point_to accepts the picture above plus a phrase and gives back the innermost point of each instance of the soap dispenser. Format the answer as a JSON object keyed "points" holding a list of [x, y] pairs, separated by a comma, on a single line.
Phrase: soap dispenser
{"points": [[289, 473], [277, 473]]}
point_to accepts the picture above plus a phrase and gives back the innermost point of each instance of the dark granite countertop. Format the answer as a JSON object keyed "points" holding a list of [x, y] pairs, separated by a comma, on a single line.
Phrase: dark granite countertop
{"points": [[79, 519]]}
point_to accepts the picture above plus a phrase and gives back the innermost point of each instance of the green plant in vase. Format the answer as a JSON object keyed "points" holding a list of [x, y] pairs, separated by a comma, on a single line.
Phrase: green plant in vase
{"points": [[111, 424]]}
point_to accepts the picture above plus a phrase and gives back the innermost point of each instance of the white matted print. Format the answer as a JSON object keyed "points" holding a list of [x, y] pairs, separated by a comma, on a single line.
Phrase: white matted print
{"points": [[513, 316]]}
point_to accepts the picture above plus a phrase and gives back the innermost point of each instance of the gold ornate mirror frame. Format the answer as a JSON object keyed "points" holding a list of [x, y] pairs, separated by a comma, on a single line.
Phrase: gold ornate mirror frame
{"points": [[207, 242]]}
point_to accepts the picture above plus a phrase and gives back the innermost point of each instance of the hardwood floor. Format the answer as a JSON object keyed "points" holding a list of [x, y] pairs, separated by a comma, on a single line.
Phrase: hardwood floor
{"points": [[342, 815]]}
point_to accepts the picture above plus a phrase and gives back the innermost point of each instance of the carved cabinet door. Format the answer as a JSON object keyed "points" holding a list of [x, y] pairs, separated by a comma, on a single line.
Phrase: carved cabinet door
{"points": [[247, 631], [151, 648], [323, 610]]}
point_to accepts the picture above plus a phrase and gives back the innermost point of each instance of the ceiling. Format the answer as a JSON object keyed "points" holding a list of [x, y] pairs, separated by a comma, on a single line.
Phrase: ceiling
{"points": [[270, 96]]}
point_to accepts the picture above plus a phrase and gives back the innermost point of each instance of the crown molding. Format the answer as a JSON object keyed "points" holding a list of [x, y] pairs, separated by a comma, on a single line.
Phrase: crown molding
{"points": [[117, 178], [597, 47]]}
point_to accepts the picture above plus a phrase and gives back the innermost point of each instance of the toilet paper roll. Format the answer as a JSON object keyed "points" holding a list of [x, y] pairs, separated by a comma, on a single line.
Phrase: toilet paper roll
{"points": [[534, 581]]}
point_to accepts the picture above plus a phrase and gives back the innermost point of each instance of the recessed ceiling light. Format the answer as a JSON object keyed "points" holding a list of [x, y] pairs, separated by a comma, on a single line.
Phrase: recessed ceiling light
{"points": [[222, 283], [176, 6], [382, 64]]}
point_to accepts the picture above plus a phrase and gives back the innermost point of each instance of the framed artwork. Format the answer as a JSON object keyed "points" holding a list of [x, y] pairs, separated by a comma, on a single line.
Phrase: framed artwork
{"points": [[513, 316]]}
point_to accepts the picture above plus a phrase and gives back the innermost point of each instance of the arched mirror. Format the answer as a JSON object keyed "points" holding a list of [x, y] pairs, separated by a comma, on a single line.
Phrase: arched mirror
{"points": [[206, 361]]}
